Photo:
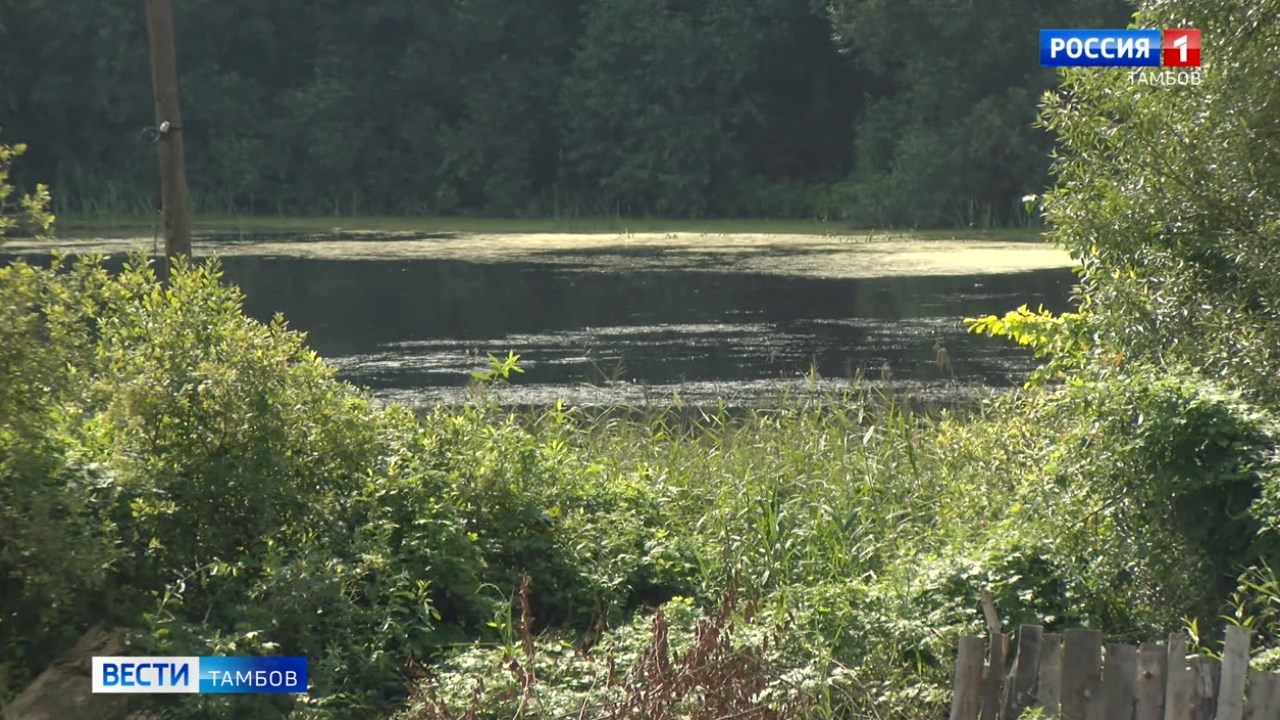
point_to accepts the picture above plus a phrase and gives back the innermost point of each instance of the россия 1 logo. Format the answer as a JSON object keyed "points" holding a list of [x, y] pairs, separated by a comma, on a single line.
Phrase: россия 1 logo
{"points": [[1120, 48]]}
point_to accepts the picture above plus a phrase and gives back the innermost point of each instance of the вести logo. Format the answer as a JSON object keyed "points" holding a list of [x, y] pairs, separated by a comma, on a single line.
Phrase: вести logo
{"points": [[138, 675]]}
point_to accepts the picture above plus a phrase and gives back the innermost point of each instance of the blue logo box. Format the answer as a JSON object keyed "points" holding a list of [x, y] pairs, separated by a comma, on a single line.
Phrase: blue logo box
{"points": [[253, 675], [221, 675], [1100, 48]]}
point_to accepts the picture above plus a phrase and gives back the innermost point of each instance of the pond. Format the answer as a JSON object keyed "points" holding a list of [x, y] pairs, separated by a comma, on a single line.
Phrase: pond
{"points": [[641, 322]]}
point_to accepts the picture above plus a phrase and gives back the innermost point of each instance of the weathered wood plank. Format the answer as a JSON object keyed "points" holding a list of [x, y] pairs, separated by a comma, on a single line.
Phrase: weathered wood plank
{"points": [[1082, 675], [1264, 697], [967, 694], [1119, 679], [1204, 700], [1049, 680], [1235, 669], [1020, 686], [989, 612], [993, 679], [1153, 662], [1179, 686]]}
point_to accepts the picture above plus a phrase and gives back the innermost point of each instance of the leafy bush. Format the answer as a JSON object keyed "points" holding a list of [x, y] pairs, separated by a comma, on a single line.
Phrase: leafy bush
{"points": [[30, 212], [591, 540], [1177, 463], [1169, 197], [175, 466], [55, 549]]}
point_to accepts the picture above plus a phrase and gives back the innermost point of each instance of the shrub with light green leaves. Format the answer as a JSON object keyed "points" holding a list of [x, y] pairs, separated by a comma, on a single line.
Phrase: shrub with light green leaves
{"points": [[179, 468], [29, 212], [1179, 463], [1169, 197], [55, 547]]}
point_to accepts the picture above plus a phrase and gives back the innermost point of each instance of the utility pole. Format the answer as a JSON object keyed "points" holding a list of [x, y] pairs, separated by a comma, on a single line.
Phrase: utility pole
{"points": [[173, 169]]}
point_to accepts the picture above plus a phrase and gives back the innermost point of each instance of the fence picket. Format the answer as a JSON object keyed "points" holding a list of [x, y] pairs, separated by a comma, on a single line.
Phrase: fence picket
{"points": [[968, 680], [1082, 675], [1022, 679], [993, 682], [1049, 684], [1119, 678], [1235, 668], [1204, 698], [1178, 687], [1153, 663], [1264, 697]]}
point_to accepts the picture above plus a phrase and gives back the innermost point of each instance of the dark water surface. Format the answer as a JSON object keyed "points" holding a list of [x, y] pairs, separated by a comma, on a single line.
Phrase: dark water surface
{"points": [[414, 330]]}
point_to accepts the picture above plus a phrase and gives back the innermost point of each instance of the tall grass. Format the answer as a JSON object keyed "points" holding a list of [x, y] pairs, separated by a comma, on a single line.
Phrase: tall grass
{"points": [[863, 528], [101, 198]]}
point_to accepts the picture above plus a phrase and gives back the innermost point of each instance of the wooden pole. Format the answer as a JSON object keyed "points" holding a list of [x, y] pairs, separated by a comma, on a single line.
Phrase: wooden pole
{"points": [[173, 171]]}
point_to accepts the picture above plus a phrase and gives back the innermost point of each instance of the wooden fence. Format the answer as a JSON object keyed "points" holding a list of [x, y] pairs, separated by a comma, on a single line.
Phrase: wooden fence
{"points": [[1073, 676]]}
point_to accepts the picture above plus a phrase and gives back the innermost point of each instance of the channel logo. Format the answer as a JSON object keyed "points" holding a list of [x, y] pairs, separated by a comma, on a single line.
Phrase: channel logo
{"points": [[139, 675], [1120, 48]]}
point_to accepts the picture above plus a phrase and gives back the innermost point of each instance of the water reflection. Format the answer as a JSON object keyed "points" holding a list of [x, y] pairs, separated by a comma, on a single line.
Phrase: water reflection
{"points": [[414, 330]]}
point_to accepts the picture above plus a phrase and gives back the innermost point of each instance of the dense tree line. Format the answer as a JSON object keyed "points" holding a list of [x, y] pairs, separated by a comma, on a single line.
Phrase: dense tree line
{"points": [[913, 112]]}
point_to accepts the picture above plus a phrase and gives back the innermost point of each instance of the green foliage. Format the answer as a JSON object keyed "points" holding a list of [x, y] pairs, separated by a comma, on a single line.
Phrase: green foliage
{"points": [[681, 662], [1167, 196], [585, 107], [946, 136], [856, 522], [499, 370], [213, 487], [591, 541], [1121, 503], [173, 466], [651, 103], [202, 479], [1180, 462], [1255, 605], [1063, 340], [31, 211], [55, 549], [348, 108]]}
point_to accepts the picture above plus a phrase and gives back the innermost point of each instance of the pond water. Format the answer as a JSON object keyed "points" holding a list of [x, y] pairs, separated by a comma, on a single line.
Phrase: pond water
{"points": [[414, 331], [412, 327]]}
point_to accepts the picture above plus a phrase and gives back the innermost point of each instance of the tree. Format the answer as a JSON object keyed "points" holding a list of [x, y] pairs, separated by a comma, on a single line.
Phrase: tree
{"points": [[680, 108], [677, 107], [945, 136], [1168, 195], [647, 107]]}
